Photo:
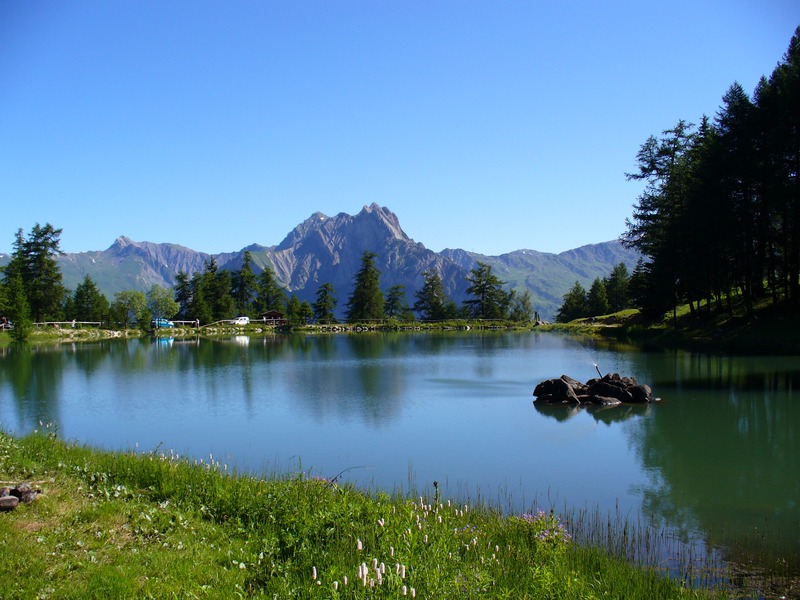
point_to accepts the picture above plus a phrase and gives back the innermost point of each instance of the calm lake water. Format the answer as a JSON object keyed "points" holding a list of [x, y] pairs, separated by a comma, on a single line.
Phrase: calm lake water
{"points": [[717, 461]]}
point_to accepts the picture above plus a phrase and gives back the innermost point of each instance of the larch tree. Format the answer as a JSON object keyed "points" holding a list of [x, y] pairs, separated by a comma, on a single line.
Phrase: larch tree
{"points": [[489, 299]]}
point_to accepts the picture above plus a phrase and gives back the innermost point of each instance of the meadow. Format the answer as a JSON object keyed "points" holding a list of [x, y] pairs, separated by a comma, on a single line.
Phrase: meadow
{"points": [[156, 525]]}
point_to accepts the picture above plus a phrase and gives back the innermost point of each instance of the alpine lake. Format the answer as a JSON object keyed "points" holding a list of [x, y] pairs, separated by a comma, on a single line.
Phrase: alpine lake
{"points": [[706, 478]]}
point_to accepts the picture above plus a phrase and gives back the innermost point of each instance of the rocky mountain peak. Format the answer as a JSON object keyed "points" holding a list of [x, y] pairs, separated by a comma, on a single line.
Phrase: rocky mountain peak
{"points": [[121, 242], [385, 218]]}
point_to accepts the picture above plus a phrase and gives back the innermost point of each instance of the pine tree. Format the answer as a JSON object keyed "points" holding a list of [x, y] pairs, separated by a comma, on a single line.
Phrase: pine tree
{"points": [[271, 296], [432, 303], [396, 305], [366, 303], [18, 309], [183, 294], [489, 300], [325, 304], [574, 305], [596, 299], [245, 286], [199, 308], [616, 285], [88, 304], [33, 260]]}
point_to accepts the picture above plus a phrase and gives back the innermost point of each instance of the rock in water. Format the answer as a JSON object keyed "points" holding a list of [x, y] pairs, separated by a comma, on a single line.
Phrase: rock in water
{"points": [[608, 390]]}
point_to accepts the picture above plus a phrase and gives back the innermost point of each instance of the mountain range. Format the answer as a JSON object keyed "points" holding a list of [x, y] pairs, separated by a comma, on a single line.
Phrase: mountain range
{"points": [[329, 249]]}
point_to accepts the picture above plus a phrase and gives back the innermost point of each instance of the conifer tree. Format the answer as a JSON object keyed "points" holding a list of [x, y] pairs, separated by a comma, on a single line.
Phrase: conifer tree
{"points": [[432, 303], [366, 303], [183, 294], [616, 285], [245, 286], [88, 304], [596, 299], [325, 305], [271, 296], [396, 305], [574, 305], [489, 300]]}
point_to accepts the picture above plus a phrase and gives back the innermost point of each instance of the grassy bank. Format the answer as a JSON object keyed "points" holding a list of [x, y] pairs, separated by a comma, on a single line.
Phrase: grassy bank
{"points": [[156, 525], [769, 329]]}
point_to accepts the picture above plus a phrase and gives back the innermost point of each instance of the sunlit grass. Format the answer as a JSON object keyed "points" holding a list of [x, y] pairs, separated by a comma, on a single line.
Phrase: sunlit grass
{"points": [[157, 525]]}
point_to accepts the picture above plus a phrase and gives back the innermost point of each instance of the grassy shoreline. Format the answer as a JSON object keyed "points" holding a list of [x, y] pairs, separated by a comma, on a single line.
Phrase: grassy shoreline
{"points": [[155, 525], [769, 330]]}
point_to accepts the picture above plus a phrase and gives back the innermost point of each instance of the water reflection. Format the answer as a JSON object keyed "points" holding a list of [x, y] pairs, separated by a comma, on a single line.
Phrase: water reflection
{"points": [[602, 414], [719, 457], [723, 451]]}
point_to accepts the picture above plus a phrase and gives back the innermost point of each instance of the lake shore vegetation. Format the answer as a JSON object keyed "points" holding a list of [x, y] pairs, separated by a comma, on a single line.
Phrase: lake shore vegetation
{"points": [[760, 328], [154, 524]]}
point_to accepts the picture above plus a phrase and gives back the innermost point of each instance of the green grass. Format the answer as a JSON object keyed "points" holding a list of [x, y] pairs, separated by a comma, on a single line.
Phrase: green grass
{"points": [[154, 525], [770, 329]]}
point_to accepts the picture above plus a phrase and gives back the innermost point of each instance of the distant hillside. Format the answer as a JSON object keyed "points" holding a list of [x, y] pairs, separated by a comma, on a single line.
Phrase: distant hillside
{"points": [[549, 276], [329, 249]]}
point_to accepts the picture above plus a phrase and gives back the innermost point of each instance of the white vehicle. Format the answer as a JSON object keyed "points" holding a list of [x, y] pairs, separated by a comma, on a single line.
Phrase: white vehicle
{"points": [[241, 321]]}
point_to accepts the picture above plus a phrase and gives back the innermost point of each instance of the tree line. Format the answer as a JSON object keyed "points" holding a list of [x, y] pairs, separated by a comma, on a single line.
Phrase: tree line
{"points": [[607, 295], [719, 217], [31, 291], [215, 294]]}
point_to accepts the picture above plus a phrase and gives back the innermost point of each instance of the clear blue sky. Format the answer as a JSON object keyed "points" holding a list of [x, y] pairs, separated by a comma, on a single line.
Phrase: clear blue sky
{"points": [[488, 126]]}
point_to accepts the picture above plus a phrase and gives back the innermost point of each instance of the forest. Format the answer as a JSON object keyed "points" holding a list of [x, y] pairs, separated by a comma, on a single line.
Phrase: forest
{"points": [[719, 216]]}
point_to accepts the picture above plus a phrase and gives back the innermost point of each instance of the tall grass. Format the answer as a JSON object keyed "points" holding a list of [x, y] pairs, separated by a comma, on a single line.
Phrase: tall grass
{"points": [[155, 524]]}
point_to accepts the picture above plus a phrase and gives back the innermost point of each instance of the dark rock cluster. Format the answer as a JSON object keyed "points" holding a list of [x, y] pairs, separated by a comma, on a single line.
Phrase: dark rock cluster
{"points": [[609, 390], [11, 497]]}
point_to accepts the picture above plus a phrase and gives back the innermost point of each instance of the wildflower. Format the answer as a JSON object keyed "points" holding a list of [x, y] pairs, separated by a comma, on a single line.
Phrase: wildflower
{"points": [[344, 580], [413, 593], [403, 590], [391, 550], [313, 572], [381, 522], [335, 585], [359, 544]]}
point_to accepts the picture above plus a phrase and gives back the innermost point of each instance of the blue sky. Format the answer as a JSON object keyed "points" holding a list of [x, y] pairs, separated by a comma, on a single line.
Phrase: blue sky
{"points": [[487, 126]]}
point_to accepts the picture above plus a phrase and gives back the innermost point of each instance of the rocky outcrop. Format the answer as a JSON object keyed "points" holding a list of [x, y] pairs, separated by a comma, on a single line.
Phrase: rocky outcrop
{"points": [[11, 497], [609, 390]]}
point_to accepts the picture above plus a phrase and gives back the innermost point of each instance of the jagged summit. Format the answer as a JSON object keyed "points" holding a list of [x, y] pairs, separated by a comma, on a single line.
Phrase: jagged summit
{"points": [[374, 225], [121, 242]]}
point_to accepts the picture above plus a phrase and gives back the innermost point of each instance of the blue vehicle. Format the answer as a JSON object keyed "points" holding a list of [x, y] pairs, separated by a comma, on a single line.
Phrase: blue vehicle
{"points": [[161, 323]]}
